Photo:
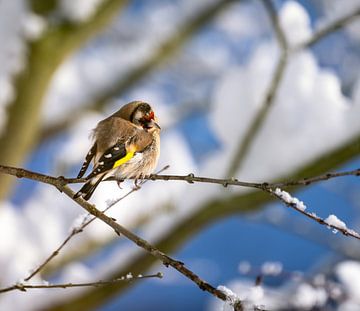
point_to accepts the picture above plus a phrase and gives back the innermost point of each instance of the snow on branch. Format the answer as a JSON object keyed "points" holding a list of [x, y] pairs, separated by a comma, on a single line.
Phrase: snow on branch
{"points": [[331, 221]]}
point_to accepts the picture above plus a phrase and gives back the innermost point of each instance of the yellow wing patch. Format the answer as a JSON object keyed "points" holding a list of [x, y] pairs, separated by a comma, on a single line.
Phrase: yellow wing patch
{"points": [[125, 159]]}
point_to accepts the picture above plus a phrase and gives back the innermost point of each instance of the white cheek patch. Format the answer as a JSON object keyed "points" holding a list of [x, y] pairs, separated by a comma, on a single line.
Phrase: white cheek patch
{"points": [[138, 115]]}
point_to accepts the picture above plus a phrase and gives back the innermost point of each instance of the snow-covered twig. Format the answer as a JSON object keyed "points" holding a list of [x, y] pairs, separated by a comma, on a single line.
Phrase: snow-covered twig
{"points": [[331, 221]]}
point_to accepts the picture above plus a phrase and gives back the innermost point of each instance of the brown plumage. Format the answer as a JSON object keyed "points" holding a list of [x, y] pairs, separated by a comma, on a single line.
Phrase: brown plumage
{"points": [[126, 145]]}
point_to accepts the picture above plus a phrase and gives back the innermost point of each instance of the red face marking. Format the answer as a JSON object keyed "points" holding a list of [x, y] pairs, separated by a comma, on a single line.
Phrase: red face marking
{"points": [[149, 117]]}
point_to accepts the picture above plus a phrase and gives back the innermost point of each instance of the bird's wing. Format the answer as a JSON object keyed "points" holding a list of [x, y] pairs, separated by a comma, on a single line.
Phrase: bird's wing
{"points": [[129, 140], [87, 160]]}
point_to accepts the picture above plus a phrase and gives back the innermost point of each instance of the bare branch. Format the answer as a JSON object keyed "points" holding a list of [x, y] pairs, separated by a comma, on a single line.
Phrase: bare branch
{"points": [[191, 178], [128, 278]]}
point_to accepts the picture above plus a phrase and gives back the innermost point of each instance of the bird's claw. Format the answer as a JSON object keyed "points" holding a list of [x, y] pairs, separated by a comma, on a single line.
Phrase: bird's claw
{"points": [[119, 183]]}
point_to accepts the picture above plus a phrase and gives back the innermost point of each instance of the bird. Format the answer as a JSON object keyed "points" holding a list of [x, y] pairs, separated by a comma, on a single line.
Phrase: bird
{"points": [[125, 145]]}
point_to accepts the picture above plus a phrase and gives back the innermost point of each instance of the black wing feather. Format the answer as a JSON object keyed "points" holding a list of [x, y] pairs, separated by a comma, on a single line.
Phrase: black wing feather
{"points": [[86, 163], [108, 159]]}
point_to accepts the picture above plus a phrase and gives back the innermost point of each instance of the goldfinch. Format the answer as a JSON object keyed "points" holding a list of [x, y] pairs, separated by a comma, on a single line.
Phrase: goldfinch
{"points": [[126, 145]]}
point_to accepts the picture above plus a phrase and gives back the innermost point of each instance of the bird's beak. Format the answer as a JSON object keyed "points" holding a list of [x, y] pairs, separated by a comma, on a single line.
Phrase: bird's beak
{"points": [[156, 125], [152, 124]]}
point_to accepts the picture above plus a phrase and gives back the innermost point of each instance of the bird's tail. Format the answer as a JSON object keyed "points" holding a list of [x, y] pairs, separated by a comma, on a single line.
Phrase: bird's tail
{"points": [[89, 187]]}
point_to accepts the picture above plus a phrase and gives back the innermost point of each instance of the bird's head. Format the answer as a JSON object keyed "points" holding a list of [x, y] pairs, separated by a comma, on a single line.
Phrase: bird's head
{"points": [[141, 114]]}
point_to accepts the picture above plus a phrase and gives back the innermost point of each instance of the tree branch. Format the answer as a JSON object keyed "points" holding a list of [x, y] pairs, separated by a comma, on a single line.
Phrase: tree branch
{"points": [[191, 178]]}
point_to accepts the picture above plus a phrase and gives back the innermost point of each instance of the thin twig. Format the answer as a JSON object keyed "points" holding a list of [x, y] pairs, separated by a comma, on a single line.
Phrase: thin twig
{"points": [[79, 229], [191, 178], [128, 278], [311, 180]]}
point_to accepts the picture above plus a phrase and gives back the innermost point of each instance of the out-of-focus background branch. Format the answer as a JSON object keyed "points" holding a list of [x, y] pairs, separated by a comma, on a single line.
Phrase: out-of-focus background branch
{"points": [[165, 51], [259, 91], [44, 55]]}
